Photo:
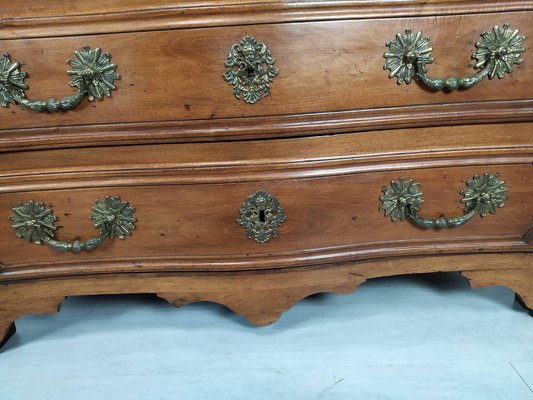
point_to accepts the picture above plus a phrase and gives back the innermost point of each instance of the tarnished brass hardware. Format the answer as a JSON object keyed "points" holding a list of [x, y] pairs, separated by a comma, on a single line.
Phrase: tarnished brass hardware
{"points": [[495, 54], [35, 222], [482, 195], [92, 73], [250, 69], [261, 215]]}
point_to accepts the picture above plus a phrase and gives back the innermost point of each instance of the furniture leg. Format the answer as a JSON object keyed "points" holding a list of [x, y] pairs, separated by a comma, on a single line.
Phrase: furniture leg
{"points": [[520, 281], [13, 306], [8, 329]]}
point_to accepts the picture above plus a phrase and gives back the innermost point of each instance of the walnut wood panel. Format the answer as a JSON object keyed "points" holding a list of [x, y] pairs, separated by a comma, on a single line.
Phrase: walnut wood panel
{"points": [[331, 219], [262, 296], [325, 67], [30, 18]]}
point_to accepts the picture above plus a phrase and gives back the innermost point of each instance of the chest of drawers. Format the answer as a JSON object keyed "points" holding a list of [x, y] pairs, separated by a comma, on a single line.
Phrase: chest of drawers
{"points": [[255, 153]]}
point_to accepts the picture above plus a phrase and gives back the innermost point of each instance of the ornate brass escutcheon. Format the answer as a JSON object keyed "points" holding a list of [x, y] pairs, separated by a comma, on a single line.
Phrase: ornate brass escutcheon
{"points": [[483, 195], [250, 69], [35, 222], [92, 73], [261, 215], [495, 54]]}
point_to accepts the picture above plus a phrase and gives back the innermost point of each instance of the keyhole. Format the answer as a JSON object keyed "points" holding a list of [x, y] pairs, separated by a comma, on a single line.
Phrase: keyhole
{"points": [[262, 216], [250, 72]]}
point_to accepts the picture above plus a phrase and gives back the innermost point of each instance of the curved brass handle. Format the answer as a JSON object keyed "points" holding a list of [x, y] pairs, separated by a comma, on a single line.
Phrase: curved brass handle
{"points": [[34, 222], [483, 195], [92, 72], [496, 53]]}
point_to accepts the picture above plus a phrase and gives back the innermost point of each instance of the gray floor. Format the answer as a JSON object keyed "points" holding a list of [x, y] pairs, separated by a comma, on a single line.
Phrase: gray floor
{"points": [[423, 337]]}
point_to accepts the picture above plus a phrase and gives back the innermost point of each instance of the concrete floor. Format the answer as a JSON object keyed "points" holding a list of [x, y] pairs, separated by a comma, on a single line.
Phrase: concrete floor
{"points": [[418, 337]]}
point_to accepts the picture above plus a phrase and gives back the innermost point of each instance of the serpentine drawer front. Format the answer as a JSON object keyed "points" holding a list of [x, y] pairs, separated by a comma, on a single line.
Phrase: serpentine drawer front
{"points": [[267, 214], [253, 154], [192, 84]]}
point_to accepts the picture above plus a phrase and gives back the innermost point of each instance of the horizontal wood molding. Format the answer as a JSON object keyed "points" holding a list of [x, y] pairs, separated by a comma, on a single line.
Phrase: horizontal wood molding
{"points": [[63, 18], [156, 177], [268, 127], [309, 258], [272, 160]]}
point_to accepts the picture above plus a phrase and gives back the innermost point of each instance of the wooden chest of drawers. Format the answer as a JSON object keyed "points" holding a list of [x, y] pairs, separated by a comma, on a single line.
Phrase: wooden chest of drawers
{"points": [[255, 153]]}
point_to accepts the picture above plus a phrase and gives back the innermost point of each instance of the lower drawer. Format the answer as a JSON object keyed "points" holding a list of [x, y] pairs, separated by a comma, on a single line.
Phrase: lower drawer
{"points": [[329, 188]]}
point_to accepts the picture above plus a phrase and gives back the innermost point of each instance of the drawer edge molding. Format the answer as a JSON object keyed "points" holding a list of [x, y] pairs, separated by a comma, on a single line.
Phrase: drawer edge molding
{"points": [[271, 127], [230, 14], [311, 258], [145, 177]]}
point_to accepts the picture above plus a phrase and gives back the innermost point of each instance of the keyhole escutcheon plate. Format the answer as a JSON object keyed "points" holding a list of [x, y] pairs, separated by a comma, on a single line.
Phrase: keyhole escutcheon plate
{"points": [[250, 69], [261, 215]]}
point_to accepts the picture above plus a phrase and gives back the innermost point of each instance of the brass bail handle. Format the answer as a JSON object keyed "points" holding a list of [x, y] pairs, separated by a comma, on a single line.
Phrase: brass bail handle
{"points": [[92, 73], [495, 55], [34, 222], [483, 195]]}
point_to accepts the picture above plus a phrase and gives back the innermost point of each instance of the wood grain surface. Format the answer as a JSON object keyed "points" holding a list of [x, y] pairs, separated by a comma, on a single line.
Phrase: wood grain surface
{"points": [[325, 67], [266, 127], [187, 199], [32, 18], [221, 162], [187, 246]]}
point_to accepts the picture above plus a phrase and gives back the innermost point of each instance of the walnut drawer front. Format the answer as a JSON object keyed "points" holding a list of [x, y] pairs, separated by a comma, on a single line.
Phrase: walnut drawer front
{"points": [[172, 84], [187, 209]]}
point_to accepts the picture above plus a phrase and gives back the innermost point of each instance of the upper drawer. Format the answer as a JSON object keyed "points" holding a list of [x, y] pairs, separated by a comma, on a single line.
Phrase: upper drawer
{"points": [[172, 84]]}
